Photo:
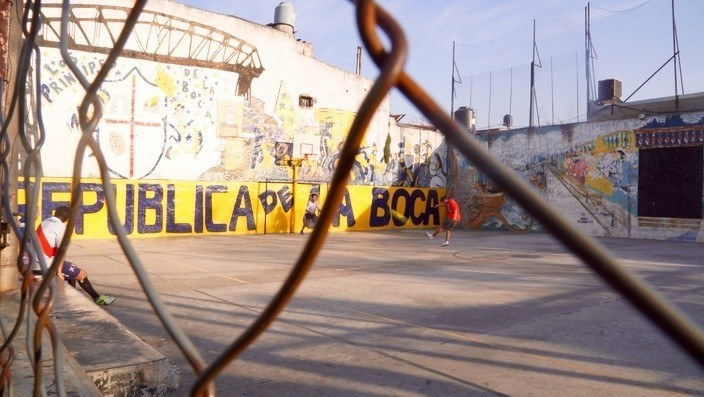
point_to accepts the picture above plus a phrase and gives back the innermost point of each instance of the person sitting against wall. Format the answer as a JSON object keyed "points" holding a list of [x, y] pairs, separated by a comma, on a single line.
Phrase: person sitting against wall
{"points": [[311, 214], [50, 233]]}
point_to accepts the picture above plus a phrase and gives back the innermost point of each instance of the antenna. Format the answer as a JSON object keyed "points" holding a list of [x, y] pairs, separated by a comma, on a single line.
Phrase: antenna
{"points": [[533, 99], [458, 80], [358, 66], [677, 61]]}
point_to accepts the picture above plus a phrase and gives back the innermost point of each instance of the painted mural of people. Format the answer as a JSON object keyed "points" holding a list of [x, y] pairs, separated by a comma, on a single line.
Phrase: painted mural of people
{"points": [[405, 174], [437, 171], [258, 155]]}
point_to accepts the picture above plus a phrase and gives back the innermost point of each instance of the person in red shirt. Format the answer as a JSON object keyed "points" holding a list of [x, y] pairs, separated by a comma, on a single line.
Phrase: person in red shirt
{"points": [[452, 219]]}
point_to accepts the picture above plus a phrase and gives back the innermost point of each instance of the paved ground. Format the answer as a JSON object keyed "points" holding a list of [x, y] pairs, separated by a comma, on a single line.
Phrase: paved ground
{"points": [[392, 313]]}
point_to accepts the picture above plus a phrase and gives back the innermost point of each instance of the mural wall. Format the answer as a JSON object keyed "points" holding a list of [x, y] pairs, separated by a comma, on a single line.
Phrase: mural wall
{"points": [[178, 208], [595, 175], [213, 124], [176, 119]]}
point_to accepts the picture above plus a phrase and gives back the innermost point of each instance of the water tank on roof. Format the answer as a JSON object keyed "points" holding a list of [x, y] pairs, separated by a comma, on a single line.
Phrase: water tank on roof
{"points": [[285, 18], [465, 117], [610, 90], [508, 120]]}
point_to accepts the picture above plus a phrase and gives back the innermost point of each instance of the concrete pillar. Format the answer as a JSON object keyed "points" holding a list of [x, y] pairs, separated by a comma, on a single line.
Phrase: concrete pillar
{"points": [[10, 40]]}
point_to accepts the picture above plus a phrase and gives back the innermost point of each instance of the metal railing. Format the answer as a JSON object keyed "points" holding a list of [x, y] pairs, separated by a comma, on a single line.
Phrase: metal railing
{"points": [[391, 63]]}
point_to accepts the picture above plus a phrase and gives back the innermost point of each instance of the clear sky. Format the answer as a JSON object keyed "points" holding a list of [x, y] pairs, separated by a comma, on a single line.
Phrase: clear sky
{"points": [[431, 27]]}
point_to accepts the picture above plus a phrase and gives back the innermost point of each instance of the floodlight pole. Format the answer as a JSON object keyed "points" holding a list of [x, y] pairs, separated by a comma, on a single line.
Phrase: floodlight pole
{"points": [[532, 82], [452, 89], [294, 163]]}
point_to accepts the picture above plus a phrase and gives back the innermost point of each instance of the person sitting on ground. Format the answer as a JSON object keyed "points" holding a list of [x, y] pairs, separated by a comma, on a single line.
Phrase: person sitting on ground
{"points": [[50, 233], [311, 215]]}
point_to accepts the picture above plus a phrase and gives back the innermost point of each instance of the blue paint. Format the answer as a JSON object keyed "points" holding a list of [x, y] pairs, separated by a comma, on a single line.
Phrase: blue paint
{"points": [[171, 225], [209, 224], [48, 190], [198, 211], [92, 208], [286, 198], [243, 210], [153, 203], [129, 211], [383, 205]]}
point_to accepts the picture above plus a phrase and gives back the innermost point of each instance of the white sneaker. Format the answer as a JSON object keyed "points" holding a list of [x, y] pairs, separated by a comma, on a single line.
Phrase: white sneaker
{"points": [[445, 244], [430, 235]]}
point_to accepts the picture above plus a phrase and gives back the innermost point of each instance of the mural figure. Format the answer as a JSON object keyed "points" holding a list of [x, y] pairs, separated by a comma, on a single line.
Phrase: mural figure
{"points": [[183, 135], [405, 174], [487, 203]]}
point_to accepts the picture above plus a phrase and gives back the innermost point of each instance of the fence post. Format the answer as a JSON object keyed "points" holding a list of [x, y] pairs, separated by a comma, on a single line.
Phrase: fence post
{"points": [[10, 41]]}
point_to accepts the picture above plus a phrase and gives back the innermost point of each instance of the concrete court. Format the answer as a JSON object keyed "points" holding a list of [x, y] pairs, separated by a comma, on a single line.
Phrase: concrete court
{"points": [[393, 313]]}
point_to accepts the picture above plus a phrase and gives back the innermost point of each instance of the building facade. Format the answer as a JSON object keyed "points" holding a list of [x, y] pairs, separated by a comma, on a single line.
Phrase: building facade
{"points": [[203, 117]]}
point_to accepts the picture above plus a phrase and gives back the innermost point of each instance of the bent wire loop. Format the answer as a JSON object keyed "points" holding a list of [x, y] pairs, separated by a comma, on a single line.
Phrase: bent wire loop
{"points": [[368, 16]]}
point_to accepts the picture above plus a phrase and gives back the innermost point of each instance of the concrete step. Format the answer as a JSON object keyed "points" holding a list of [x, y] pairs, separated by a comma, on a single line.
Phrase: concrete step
{"points": [[117, 360], [76, 382]]}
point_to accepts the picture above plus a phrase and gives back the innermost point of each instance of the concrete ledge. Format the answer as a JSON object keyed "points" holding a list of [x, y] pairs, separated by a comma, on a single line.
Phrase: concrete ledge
{"points": [[75, 380], [118, 361]]}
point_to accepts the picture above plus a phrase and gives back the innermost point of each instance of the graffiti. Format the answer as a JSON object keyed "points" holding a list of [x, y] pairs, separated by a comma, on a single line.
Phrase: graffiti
{"points": [[172, 121], [487, 203], [400, 207], [155, 208], [128, 132]]}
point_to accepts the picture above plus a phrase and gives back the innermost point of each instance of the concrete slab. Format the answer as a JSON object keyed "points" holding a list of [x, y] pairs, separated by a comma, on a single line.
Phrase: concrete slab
{"points": [[74, 379], [393, 313], [117, 361]]}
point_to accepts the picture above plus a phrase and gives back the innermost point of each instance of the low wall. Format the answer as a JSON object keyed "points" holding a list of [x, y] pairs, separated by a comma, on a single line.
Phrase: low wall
{"points": [[164, 208]]}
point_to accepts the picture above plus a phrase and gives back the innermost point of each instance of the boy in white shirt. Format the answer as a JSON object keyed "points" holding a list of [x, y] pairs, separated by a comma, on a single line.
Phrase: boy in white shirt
{"points": [[51, 232]]}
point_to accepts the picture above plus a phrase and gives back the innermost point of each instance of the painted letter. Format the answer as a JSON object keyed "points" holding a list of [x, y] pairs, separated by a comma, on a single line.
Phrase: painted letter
{"points": [[209, 225], [129, 210], [89, 209], [346, 211], [379, 214], [171, 225], [268, 200], [245, 210], [154, 203], [48, 205], [198, 211], [431, 208]]}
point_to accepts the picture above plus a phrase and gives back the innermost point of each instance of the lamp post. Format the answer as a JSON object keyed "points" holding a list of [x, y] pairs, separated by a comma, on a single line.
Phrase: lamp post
{"points": [[294, 162]]}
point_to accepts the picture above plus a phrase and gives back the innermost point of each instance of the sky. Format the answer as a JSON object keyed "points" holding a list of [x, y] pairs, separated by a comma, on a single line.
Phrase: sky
{"points": [[431, 27]]}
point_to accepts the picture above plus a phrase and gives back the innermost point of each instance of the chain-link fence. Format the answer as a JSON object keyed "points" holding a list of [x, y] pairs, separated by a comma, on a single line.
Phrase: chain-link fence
{"points": [[636, 46], [27, 100]]}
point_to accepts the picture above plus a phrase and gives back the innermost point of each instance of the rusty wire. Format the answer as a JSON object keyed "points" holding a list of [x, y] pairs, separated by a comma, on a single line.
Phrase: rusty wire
{"points": [[391, 69], [368, 15], [641, 295], [30, 28]]}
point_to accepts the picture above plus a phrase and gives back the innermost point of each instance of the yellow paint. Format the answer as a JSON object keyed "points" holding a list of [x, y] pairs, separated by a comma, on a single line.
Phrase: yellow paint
{"points": [[165, 82], [181, 208], [286, 112]]}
